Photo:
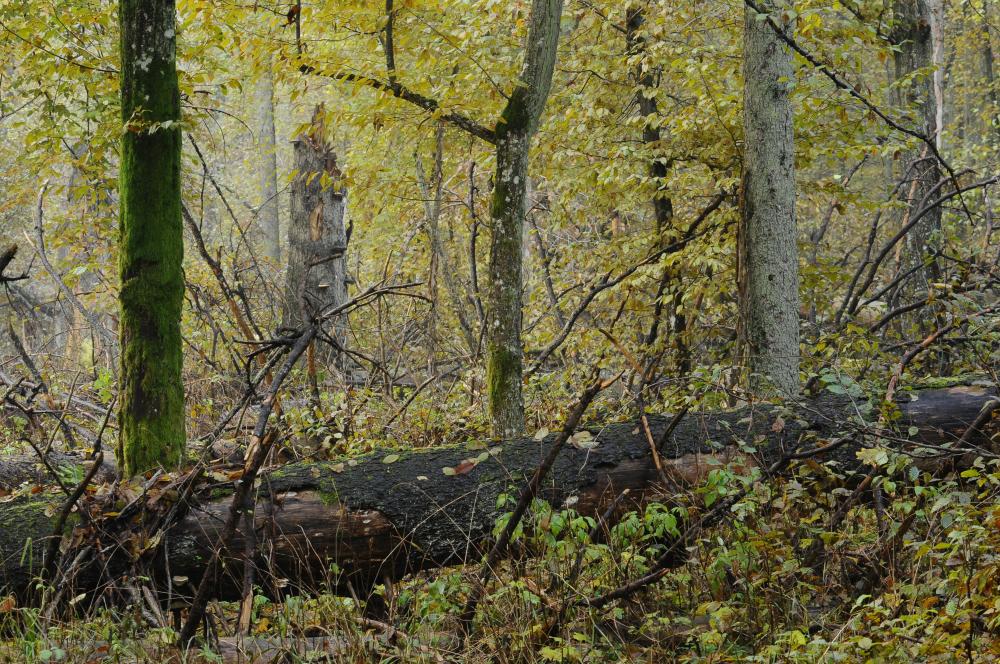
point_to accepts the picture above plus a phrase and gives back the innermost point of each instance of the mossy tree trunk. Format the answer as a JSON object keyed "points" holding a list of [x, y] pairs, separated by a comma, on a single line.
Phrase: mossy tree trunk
{"points": [[150, 241], [768, 256], [504, 354]]}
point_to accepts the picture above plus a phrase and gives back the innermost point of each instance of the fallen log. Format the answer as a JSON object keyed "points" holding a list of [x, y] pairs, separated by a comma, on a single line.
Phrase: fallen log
{"points": [[388, 514], [15, 471]]}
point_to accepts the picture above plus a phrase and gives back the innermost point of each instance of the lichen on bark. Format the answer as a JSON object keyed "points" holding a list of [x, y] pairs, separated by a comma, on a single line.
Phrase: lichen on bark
{"points": [[503, 333], [518, 122], [768, 256]]}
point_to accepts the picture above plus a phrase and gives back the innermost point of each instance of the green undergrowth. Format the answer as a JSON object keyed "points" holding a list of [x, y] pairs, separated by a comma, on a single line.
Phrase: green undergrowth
{"points": [[913, 580]]}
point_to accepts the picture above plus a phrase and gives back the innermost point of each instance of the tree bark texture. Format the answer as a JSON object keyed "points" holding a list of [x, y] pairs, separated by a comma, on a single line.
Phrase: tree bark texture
{"points": [[916, 92], [768, 256], [317, 239], [150, 241], [386, 516], [991, 126], [518, 122], [267, 215]]}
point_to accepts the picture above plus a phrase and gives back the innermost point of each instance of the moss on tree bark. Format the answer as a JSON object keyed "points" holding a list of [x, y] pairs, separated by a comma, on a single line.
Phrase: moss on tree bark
{"points": [[504, 354], [150, 241], [377, 520]]}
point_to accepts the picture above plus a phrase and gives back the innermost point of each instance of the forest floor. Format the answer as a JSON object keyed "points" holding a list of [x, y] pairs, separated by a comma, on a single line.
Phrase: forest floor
{"points": [[804, 570]]}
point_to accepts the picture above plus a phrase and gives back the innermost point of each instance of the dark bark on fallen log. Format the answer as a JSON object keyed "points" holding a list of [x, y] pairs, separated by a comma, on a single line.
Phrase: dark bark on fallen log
{"points": [[15, 471], [381, 518]]}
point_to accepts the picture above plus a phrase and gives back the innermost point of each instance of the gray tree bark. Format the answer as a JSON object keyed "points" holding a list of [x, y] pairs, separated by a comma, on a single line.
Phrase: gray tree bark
{"points": [[992, 125], [935, 9], [519, 121], [768, 259], [916, 95], [267, 215], [317, 239]]}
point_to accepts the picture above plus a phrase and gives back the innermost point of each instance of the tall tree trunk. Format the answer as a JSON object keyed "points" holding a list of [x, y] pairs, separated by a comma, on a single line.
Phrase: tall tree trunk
{"points": [[935, 10], [150, 242], [663, 206], [912, 36], [317, 239], [268, 172], [990, 131], [504, 354], [768, 260]]}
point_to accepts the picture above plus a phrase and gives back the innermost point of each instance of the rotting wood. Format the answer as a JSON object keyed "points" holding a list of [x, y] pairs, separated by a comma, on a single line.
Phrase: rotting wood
{"points": [[330, 523]]}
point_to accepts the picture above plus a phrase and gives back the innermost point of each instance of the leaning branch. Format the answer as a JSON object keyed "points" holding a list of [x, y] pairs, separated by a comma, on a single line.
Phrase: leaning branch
{"points": [[400, 91], [607, 282]]}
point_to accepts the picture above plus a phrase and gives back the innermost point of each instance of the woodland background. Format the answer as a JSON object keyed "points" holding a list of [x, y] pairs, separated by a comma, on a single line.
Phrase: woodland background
{"points": [[642, 114]]}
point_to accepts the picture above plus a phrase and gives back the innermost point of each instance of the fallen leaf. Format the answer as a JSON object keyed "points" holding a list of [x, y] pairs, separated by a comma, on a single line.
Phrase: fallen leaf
{"points": [[392, 458], [583, 440]]}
